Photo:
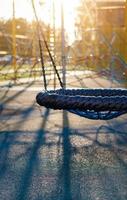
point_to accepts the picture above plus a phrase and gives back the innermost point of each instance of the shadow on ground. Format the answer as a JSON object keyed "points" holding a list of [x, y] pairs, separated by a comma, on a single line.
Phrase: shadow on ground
{"points": [[50, 155]]}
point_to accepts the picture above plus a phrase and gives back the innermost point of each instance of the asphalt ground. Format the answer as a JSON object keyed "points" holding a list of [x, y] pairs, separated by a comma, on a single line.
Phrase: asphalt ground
{"points": [[56, 155]]}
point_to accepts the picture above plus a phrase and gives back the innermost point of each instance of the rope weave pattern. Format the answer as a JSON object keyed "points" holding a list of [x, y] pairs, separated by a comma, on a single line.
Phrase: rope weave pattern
{"points": [[90, 103]]}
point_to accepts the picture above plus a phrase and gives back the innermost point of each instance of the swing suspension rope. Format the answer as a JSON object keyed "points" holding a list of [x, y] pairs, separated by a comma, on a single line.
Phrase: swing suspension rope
{"points": [[102, 104], [40, 32]]}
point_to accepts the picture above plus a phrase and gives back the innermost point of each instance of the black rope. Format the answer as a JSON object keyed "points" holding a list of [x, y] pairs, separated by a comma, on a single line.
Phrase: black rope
{"points": [[91, 92], [40, 48], [46, 45], [59, 99], [53, 63], [98, 115], [42, 64]]}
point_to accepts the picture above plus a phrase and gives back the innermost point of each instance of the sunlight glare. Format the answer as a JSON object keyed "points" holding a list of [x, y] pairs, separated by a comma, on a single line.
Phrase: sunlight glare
{"points": [[44, 10]]}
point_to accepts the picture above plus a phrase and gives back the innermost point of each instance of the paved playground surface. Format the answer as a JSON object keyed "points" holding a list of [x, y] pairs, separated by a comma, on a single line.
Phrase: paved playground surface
{"points": [[56, 155]]}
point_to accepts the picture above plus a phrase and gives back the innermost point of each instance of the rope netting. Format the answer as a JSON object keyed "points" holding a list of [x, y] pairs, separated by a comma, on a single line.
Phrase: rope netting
{"points": [[89, 103]]}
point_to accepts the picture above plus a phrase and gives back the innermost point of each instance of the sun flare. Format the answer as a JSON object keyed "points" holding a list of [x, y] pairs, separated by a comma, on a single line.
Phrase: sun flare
{"points": [[44, 9], [48, 11]]}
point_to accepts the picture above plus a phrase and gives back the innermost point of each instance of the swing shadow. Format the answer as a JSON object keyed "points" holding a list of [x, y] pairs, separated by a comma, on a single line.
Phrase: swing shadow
{"points": [[64, 173], [33, 160], [67, 153], [9, 99], [101, 171], [8, 137], [83, 179]]}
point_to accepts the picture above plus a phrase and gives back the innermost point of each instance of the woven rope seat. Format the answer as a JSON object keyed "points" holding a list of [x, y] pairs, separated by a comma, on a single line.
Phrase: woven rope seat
{"points": [[102, 104]]}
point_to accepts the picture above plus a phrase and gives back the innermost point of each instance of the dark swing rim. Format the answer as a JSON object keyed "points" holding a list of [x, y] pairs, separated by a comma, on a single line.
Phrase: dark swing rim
{"points": [[91, 103]]}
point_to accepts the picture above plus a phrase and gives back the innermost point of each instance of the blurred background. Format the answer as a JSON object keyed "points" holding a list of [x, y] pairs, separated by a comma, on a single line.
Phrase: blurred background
{"points": [[48, 154], [91, 38]]}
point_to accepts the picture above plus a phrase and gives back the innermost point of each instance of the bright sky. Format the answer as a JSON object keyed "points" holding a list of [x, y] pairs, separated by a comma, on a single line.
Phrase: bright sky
{"points": [[23, 8]]}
